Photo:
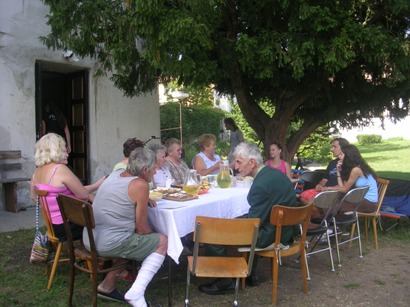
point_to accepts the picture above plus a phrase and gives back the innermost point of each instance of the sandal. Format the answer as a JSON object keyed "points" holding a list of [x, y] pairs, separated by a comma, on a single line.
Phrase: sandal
{"points": [[114, 295]]}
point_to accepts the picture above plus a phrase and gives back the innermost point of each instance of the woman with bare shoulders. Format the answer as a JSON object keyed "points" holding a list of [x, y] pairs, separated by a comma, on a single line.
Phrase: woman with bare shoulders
{"points": [[53, 176], [276, 162], [207, 161]]}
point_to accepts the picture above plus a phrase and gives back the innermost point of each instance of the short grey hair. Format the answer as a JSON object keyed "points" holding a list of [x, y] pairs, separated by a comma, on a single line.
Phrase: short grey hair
{"points": [[155, 147], [140, 158], [50, 148], [248, 151]]}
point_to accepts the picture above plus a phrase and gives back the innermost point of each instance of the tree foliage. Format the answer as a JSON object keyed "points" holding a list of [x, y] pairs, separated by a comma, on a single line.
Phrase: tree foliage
{"points": [[315, 62]]}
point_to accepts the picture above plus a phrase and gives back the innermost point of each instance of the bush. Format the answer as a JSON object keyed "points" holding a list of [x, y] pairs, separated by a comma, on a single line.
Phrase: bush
{"points": [[195, 121], [365, 139]]}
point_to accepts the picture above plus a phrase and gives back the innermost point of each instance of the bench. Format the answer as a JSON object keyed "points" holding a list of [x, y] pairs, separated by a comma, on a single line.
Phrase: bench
{"points": [[9, 162]]}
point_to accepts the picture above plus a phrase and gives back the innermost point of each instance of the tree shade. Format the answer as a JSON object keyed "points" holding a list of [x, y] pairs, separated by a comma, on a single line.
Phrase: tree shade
{"points": [[315, 62]]}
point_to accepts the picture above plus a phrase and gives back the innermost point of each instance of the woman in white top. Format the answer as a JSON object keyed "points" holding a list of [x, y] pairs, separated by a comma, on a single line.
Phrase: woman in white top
{"points": [[207, 161], [162, 174]]}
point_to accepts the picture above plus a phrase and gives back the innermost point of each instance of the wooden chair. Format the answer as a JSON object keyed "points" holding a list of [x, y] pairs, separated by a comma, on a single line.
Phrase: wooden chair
{"points": [[318, 227], [57, 244], [233, 232], [280, 217], [81, 213], [382, 185], [345, 219]]}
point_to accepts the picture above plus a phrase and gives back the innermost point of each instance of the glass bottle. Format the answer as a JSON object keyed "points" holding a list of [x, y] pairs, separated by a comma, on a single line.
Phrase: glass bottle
{"points": [[224, 176]]}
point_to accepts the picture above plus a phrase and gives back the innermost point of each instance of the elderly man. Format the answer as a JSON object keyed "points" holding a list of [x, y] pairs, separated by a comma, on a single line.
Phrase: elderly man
{"points": [[270, 187]]}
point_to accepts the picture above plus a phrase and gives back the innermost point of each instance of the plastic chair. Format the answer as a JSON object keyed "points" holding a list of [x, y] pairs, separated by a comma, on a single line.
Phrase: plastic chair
{"points": [[344, 219], [382, 185], [233, 232], [56, 243], [319, 226], [280, 217], [81, 213]]}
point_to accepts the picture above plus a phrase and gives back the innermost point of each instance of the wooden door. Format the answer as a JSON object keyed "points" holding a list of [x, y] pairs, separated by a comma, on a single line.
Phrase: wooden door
{"points": [[78, 122]]}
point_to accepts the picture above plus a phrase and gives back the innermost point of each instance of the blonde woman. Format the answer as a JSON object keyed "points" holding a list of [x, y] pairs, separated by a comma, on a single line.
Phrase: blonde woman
{"points": [[53, 176], [207, 161]]}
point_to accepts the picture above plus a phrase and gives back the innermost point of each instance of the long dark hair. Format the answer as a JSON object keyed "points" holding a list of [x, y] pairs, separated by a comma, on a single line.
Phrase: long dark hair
{"points": [[353, 158], [231, 122]]}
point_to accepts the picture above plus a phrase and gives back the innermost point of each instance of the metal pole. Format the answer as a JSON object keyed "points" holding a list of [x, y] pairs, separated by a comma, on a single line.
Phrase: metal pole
{"points": [[180, 121]]}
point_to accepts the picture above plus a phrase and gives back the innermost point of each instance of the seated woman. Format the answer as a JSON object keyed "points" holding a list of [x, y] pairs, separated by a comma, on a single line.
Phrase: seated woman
{"points": [[207, 161], [53, 176], [354, 172], [173, 161], [121, 226], [275, 161], [128, 146], [163, 174]]}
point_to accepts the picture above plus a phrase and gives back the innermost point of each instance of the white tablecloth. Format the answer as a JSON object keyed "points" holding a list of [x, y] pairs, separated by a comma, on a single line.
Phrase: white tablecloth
{"points": [[177, 219]]}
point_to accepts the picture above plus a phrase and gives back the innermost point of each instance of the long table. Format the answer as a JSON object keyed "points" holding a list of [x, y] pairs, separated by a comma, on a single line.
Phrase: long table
{"points": [[177, 219]]}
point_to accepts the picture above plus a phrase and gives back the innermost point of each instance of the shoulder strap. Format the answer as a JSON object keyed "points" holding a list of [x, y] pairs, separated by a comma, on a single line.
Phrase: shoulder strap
{"points": [[54, 171]]}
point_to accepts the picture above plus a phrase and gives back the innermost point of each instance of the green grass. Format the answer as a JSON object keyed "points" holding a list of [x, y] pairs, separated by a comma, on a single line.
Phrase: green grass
{"points": [[390, 158]]}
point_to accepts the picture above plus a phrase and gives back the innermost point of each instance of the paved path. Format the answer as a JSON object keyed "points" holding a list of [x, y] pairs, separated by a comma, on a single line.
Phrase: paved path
{"points": [[10, 221]]}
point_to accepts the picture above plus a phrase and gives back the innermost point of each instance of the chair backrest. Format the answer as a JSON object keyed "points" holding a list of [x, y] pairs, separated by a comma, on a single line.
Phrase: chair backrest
{"points": [[80, 212], [221, 231], [287, 216], [354, 196], [326, 200], [42, 197], [310, 179], [382, 185]]}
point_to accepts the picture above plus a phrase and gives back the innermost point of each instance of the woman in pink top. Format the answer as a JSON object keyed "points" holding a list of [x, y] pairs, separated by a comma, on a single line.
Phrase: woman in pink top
{"points": [[53, 175], [275, 161]]}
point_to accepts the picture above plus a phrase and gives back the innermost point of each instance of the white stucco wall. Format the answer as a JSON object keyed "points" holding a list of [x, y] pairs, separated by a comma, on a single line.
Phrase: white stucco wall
{"points": [[112, 118]]}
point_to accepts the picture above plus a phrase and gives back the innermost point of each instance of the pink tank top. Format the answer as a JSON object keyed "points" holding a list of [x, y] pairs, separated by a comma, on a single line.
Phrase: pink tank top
{"points": [[51, 197], [281, 168]]}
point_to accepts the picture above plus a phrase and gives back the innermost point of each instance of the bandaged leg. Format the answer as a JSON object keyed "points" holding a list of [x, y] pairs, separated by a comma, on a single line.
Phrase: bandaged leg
{"points": [[149, 267]]}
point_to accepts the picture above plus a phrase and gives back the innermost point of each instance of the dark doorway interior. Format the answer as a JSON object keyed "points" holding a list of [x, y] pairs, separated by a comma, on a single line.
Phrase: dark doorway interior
{"points": [[66, 87]]}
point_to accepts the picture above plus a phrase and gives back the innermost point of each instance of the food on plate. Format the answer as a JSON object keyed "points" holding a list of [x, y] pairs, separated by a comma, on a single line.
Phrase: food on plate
{"points": [[167, 190], [203, 190], [155, 195], [179, 196]]}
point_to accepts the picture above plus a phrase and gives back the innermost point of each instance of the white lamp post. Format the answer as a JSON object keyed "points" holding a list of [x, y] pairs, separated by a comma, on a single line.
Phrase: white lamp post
{"points": [[180, 96]]}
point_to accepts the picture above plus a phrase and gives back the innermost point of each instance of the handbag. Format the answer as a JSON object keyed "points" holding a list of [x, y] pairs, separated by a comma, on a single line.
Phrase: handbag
{"points": [[41, 252]]}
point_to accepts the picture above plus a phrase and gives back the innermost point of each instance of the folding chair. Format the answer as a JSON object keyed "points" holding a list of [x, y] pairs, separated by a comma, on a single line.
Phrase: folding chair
{"points": [[56, 243], [344, 219], [233, 232], [280, 217], [382, 185], [319, 226], [81, 213]]}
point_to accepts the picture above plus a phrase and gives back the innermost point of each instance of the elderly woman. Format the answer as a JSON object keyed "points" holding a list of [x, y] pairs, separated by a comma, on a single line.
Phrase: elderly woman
{"points": [[173, 161], [128, 146], [121, 226], [163, 174], [207, 161], [53, 176]]}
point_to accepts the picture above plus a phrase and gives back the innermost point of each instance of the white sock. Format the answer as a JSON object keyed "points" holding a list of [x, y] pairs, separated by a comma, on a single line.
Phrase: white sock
{"points": [[149, 267]]}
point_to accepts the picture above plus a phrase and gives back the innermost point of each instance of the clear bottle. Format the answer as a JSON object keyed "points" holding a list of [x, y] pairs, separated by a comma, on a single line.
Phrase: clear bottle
{"points": [[224, 176]]}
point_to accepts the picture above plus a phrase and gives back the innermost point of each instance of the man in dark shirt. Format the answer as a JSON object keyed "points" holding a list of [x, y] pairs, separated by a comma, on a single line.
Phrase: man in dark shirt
{"points": [[270, 187]]}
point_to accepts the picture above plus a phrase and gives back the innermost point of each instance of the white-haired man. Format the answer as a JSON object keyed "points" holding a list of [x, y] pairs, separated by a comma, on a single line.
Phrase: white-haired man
{"points": [[270, 187]]}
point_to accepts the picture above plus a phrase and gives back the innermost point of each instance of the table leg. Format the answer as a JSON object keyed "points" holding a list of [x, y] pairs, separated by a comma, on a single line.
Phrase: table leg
{"points": [[169, 281]]}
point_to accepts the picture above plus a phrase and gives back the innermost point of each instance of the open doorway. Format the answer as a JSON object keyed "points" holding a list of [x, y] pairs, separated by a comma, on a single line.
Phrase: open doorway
{"points": [[66, 88]]}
